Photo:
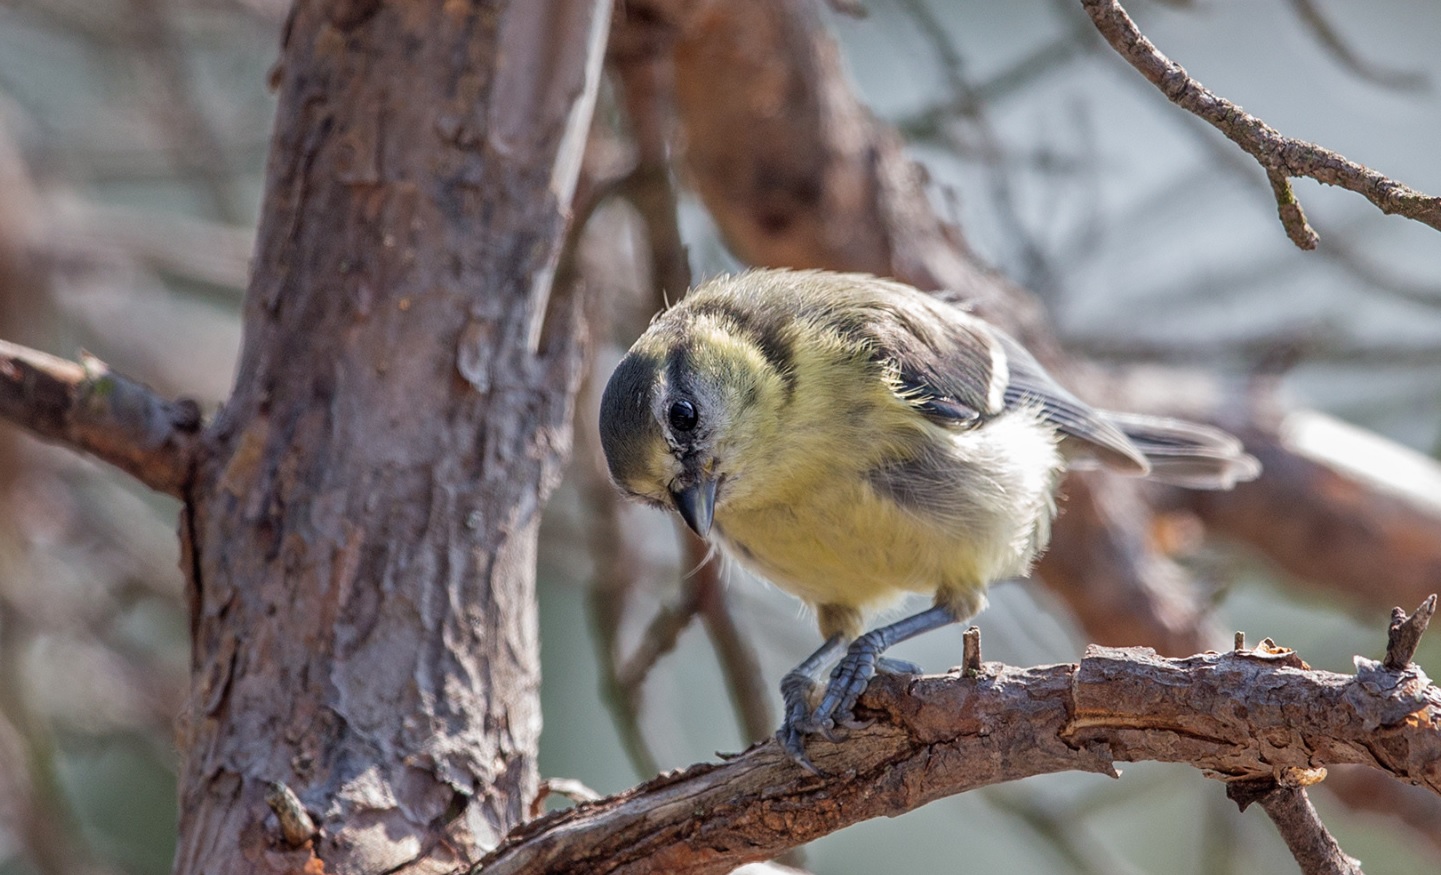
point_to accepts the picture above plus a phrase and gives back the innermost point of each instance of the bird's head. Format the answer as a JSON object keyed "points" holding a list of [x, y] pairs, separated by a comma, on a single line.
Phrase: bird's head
{"points": [[687, 413]]}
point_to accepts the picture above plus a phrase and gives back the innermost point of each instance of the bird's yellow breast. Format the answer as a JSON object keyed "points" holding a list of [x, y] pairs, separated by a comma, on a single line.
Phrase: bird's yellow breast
{"points": [[811, 514], [841, 544]]}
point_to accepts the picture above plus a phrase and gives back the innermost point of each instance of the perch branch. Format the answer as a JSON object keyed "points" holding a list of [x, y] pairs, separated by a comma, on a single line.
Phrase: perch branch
{"points": [[88, 407], [1250, 715], [1279, 155]]}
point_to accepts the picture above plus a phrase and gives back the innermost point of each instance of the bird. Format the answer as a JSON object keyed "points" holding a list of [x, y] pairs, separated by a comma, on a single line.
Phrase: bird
{"points": [[852, 439]]}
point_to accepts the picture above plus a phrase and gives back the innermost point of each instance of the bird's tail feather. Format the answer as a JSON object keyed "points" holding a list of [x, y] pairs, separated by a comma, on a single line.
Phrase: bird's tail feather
{"points": [[1187, 454]]}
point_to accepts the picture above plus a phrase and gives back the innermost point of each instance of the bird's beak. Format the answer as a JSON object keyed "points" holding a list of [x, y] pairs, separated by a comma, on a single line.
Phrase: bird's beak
{"points": [[696, 504]]}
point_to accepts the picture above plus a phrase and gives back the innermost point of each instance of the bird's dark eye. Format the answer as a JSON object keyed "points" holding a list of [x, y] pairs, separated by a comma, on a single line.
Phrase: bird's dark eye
{"points": [[682, 416]]}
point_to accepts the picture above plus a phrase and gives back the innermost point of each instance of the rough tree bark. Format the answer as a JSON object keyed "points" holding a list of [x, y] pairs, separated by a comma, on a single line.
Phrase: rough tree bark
{"points": [[359, 533], [1258, 716]]}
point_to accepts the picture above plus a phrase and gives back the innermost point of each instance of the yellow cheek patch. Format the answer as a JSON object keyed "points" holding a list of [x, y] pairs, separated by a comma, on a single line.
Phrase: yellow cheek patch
{"points": [[657, 471]]}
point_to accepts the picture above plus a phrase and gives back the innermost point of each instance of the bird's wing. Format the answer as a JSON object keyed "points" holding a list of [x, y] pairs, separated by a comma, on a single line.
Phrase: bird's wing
{"points": [[960, 371], [1029, 384], [950, 369]]}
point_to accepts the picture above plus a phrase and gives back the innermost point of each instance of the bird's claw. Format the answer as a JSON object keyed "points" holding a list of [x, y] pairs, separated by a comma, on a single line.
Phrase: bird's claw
{"points": [[796, 689], [835, 714], [825, 728], [793, 742]]}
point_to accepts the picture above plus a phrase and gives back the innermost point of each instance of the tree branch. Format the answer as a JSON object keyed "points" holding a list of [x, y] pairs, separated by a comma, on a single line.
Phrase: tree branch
{"points": [[1315, 21], [88, 407], [1257, 715], [647, 89], [1288, 209], [1286, 803], [1339, 508], [1280, 156]]}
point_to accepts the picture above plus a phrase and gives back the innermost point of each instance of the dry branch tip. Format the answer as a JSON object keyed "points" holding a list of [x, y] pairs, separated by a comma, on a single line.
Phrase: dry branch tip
{"points": [[570, 788], [87, 406], [1280, 156], [971, 652], [1404, 633], [1293, 218]]}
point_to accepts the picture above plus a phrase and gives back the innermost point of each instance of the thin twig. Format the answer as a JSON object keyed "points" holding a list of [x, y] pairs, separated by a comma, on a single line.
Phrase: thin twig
{"points": [[1345, 246], [617, 572], [1286, 803], [1357, 261], [609, 598], [1277, 153], [94, 237], [1330, 38], [647, 91], [1312, 343], [1063, 832], [852, 8], [971, 652], [738, 662], [1293, 218], [43, 823], [194, 144], [705, 598], [1037, 271], [659, 638], [89, 407], [571, 788]]}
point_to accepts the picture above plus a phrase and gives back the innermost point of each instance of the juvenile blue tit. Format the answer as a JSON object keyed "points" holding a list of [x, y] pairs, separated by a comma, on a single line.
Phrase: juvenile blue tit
{"points": [[852, 439]]}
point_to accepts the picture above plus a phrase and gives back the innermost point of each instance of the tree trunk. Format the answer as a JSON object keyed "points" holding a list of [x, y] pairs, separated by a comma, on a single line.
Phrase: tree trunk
{"points": [[360, 535]]}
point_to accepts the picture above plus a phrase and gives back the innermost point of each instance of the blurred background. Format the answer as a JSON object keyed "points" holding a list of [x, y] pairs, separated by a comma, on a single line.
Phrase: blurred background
{"points": [[133, 137]]}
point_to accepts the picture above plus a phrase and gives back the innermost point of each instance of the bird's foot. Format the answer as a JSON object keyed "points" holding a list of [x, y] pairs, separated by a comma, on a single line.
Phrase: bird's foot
{"points": [[800, 722], [848, 681], [796, 690]]}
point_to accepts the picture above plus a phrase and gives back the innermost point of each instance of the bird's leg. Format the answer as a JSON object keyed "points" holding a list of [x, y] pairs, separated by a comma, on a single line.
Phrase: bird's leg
{"points": [[796, 689], [858, 666]]}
